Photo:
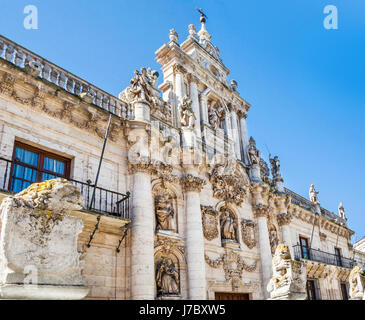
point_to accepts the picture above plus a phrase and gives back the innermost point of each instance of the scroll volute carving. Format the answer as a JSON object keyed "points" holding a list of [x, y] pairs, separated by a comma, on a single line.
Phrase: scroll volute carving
{"points": [[210, 222]]}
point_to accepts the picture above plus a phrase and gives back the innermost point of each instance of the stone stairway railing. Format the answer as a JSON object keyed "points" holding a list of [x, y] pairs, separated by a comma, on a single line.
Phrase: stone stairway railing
{"points": [[40, 67]]}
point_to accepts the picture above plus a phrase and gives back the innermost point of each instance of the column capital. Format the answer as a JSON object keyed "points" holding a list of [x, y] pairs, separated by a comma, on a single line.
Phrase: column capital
{"points": [[177, 68], [190, 182], [242, 114], [192, 78], [140, 167], [284, 219], [261, 210]]}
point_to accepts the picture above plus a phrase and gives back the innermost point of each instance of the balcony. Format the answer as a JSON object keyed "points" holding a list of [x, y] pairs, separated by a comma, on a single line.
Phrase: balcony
{"points": [[321, 256], [105, 202]]}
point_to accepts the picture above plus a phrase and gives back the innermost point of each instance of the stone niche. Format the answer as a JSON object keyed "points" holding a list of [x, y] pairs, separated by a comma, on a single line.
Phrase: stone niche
{"points": [[38, 244], [229, 228]]}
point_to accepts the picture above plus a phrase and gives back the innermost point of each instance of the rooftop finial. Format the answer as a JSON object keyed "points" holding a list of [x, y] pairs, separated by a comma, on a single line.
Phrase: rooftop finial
{"points": [[203, 33]]}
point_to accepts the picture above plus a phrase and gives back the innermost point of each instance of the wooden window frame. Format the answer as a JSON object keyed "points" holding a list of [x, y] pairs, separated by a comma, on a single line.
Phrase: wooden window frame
{"points": [[307, 246], [39, 168]]}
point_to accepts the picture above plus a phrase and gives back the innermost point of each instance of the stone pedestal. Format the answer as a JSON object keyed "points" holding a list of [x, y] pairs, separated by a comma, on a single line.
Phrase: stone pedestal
{"points": [[230, 244], [188, 137], [289, 277], [142, 111], [254, 173], [194, 237], [38, 245]]}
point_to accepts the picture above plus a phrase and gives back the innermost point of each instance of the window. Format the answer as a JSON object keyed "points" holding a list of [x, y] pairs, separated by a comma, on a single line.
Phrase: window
{"points": [[304, 248], [312, 290], [344, 291], [338, 257], [35, 165]]}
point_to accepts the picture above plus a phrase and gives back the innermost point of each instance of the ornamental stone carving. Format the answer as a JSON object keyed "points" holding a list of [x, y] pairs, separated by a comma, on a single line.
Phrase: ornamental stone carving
{"points": [[253, 152], [187, 116], [233, 266], [192, 183], [273, 237], [356, 280], [341, 211], [248, 230], [228, 223], [313, 194], [284, 219], [142, 85], [275, 167], [289, 278], [261, 210], [210, 222], [37, 230], [167, 278], [229, 181], [164, 211]]}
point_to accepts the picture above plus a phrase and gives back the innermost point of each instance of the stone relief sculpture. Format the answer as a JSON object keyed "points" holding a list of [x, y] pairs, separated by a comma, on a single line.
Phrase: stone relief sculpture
{"points": [[210, 223], [273, 237], [341, 211], [37, 230], [289, 277], [228, 225], [167, 278], [187, 116], [313, 194], [253, 153], [356, 281], [164, 212], [233, 266], [248, 230]]}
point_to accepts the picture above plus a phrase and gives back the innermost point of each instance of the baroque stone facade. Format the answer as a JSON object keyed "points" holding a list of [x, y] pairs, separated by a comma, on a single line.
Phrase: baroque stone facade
{"points": [[185, 206]]}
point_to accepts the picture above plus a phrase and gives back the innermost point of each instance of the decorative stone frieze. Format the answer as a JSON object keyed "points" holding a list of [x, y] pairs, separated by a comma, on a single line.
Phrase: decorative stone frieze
{"points": [[356, 280], [248, 231], [192, 183], [37, 231], [289, 279], [233, 266], [284, 218], [210, 222]]}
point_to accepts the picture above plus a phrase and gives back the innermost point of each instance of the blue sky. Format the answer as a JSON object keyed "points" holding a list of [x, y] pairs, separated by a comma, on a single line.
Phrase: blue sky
{"points": [[306, 84]]}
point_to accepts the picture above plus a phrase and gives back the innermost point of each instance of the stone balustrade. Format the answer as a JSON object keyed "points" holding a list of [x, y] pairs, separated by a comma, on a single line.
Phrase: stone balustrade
{"points": [[40, 67]]}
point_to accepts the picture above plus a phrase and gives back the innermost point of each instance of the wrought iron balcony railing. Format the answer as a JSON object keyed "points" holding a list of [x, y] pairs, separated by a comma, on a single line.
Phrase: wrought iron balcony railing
{"points": [[321, 256], [106, 202]]}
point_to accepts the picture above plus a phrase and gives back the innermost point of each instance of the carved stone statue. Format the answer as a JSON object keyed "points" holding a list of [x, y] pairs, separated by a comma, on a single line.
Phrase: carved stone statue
{"points": [[213, 118], [187, 116], [341, 211], [275, 167], [253, 153], [173, 35], [38, 231], [356, 281], [192, 32], [164, 212], [167, 278], [273, 237], [142, 84], [313, 194], [228, 226], [289, 277], [234, 85]]}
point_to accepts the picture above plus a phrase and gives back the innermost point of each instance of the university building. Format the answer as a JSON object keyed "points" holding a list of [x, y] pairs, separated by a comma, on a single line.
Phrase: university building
{"points": [[184, 206]]}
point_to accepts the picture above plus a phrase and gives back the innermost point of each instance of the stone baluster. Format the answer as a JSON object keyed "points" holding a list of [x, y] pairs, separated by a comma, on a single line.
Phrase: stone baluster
{"points": [[244, 136], [46, 71], [261, 211], [9, 53], [2, 47], [77, 88], [194, 96], [62, 80], [19, 58], [70, 85], [54, 76], [192, 186]]}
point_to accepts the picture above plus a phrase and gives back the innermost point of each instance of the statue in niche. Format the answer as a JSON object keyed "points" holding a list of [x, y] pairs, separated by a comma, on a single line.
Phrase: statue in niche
{"points": [[167, 278], [275, 166], [273, 237], [228, 226], [253, 153], [341, 211], [164, 212], [213, 118], [187, 116], [313, 194]]}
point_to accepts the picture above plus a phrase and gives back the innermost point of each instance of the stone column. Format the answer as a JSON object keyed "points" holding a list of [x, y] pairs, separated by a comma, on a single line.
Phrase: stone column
{"points": [[235, 134], [179, 87], [142, 237], [194, 96], [192, 186], [204, 107], [284, 220], [261, 211], [244, 136]]}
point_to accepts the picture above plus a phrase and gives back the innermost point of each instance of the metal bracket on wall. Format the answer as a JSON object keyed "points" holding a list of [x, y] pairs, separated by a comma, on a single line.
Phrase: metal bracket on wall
{"points": [[126, 227], [96, 228]]}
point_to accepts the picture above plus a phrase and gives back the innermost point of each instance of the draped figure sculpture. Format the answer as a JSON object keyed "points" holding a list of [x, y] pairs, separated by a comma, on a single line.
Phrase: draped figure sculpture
{"points": [[229, 225], [167, 278]]}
